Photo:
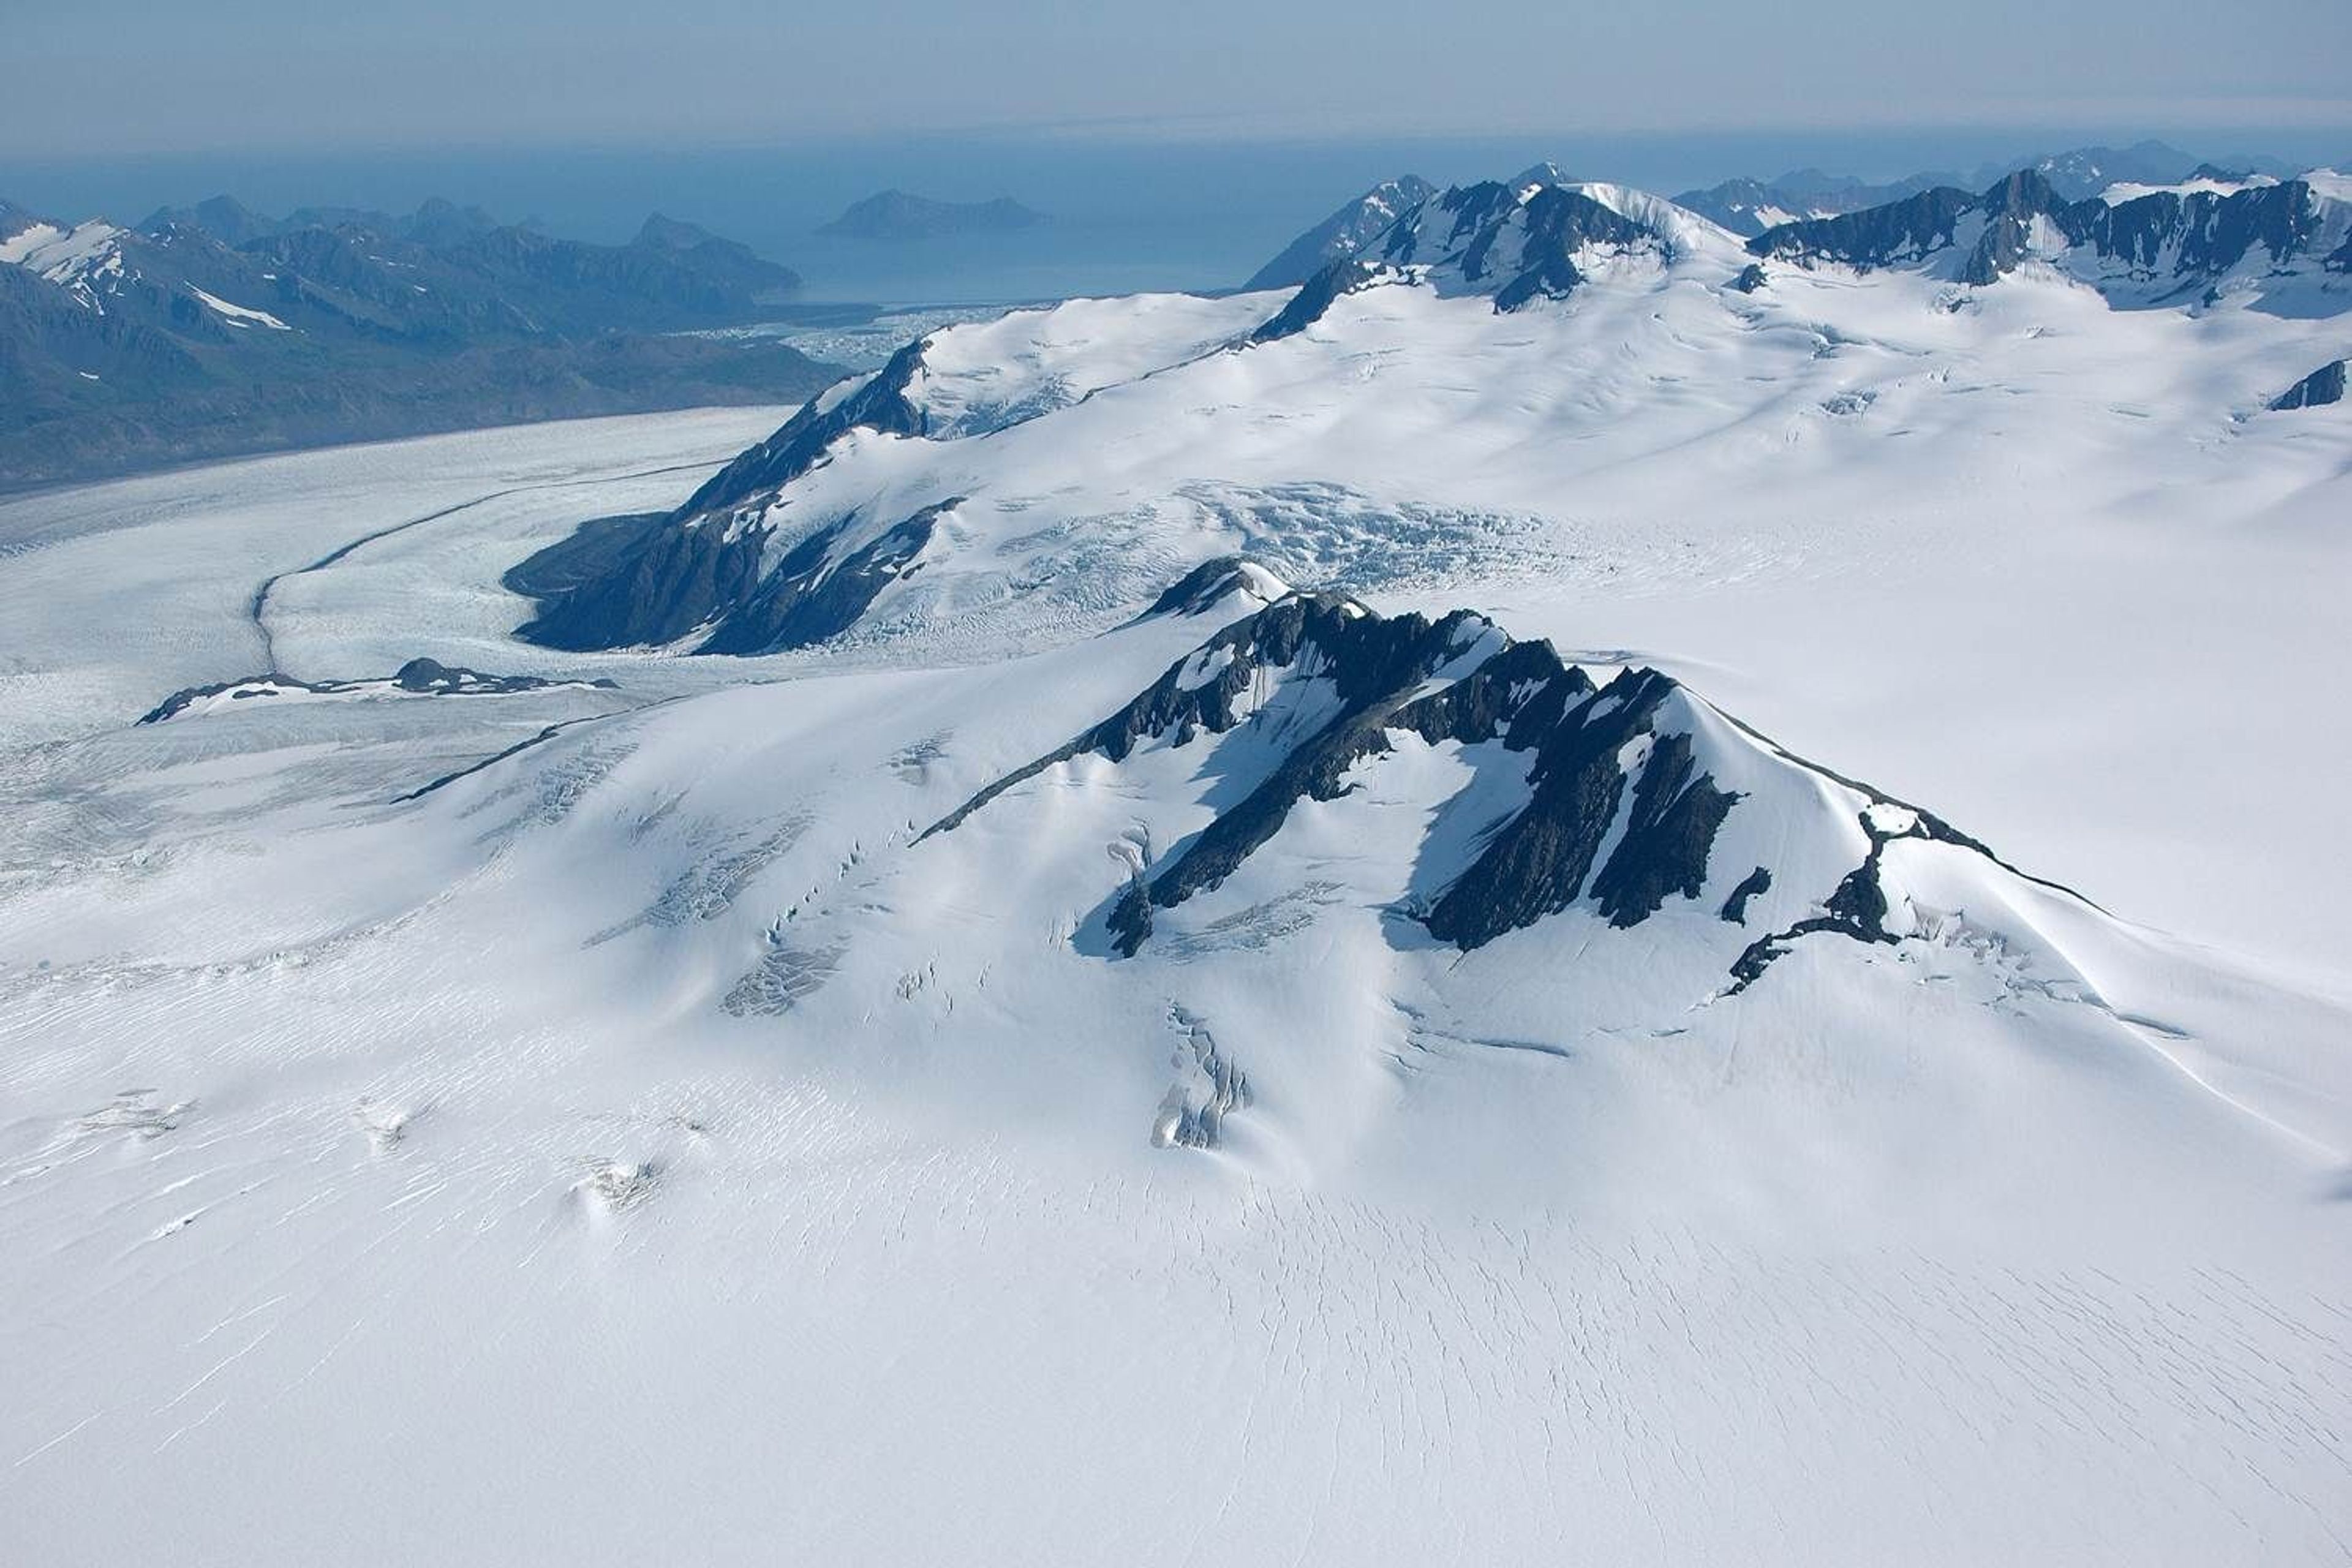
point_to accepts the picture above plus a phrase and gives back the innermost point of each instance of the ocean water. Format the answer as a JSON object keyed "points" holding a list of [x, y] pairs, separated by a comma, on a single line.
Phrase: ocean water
{"points": [[1126, 214]]}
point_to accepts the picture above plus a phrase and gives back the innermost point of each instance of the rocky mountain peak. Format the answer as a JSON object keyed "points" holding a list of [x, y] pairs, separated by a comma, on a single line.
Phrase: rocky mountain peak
{"points": [[1615, 797]]}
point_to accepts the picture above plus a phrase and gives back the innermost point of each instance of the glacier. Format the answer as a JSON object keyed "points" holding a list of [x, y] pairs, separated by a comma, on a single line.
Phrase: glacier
{"points": [[1215, 999]]}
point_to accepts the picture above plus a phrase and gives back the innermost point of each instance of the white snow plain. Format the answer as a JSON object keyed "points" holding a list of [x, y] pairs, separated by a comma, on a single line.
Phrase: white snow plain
{"points": [[639, 1145]]}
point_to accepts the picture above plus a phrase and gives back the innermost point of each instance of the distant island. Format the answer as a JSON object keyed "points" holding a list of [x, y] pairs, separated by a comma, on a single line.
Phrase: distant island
{"points": [[896, 216]]}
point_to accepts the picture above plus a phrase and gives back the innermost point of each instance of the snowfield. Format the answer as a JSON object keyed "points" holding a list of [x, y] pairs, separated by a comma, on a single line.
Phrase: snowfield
{"points": [[731, 1114]]}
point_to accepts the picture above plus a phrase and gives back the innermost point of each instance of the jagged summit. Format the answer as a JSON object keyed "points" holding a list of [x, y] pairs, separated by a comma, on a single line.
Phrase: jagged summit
{"points": [[1535, 237], [1539, 237], [1610, 796], [1344, 234], [2286, 242], [1216, 584]]}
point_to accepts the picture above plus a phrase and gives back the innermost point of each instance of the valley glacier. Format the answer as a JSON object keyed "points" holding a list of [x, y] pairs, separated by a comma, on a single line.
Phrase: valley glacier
{"points": [[1195, 985]]}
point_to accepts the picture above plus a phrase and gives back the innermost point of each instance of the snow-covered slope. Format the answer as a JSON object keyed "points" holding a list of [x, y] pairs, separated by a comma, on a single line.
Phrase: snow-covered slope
{"points": [[1614, 796], [1485, 359], [749, 567], [1233, 972], [86, 260], [671, 1070], [2283, 246], [1344, 234]]}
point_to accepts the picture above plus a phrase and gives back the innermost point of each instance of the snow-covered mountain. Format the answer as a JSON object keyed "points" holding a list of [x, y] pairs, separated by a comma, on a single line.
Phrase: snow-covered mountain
{"points": [[1620, 798], [918, 495], [212, 330], [1749, 206], [1227, 968], [2285, 243], [1345, 233]]}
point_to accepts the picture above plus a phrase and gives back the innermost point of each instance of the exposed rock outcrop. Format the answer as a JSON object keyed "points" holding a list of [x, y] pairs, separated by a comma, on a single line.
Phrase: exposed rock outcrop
{"points": [[1345, 234], [418, 678], [2322, 387], [2151, 248], [1613, 799]]}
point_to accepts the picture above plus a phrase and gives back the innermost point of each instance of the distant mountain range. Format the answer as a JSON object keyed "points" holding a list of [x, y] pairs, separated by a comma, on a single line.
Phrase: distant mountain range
{"points": [[212, 331], [1749, 206], [2285, 241], [895, 216]]}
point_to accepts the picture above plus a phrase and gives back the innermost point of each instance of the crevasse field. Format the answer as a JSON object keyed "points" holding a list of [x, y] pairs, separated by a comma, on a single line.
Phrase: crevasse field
{"points": [[654, 1120]]}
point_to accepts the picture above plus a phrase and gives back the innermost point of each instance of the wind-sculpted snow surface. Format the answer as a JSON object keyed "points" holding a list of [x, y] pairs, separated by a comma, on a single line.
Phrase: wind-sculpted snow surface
{"points": [[1215, 979], [665, 1073]]}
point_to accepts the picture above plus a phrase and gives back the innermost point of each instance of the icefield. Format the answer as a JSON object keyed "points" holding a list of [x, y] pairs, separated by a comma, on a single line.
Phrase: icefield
{"points": [[1221, 1006]]}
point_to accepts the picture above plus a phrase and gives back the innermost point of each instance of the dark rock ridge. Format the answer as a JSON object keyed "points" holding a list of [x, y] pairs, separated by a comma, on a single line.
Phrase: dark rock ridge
{"points": [[1205, 586], [879, 404], [2322, 387], [652, 578], [1514, 242], [1858, 907], [2165, 236], [671, 274], [421, 677], [1197, 589], [1615, 806], [809, 598], [1315, 296], [626, 582], [1344, 234], [1754, 885], [1536, 863], [647, 580], [704, 566]]}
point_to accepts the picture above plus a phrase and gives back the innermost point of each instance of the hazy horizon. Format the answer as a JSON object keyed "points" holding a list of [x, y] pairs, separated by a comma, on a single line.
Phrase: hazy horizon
{"points": [[1127, 214], [123, 75]]}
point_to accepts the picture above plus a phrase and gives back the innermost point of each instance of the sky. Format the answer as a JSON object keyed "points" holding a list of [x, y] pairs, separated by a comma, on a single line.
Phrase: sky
{"points": [[116, 77]]}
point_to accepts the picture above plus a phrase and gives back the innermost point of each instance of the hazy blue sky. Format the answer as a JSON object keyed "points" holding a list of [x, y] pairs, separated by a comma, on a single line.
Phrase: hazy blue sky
{"points": [[121, 75]]}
